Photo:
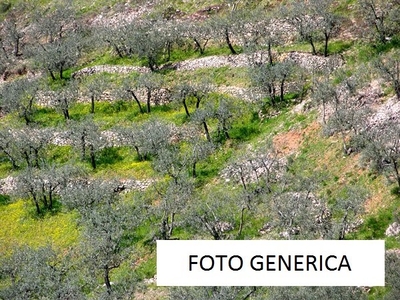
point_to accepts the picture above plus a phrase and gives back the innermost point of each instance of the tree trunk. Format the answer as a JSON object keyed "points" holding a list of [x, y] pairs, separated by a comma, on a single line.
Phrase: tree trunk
{"points": [[185, 106], [26, 118], [199, 46], [164, 227], [36, 153], [65, 110], [92, 104], [283, 88], [169, 48], [272, 94], [46, 205], [52, 75], [241, 221], [397, 89], [138, 153], [253, 290], [311, 41], [271, 62], [137, 101], [225, 130], [148, 100], [36, 203], [171, 227], [66, 114], [50, 199], [28, 161], [119, 52], [83, 146], [326, 44], [194, 170], [206, 131], [92, 157], [152, 63], [107, 279], [198, 102], [343, 229], [396, 170], [228, 41]]}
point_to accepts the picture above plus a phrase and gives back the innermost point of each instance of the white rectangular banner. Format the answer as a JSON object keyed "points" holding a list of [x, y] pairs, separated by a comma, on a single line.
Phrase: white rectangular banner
{"points": [[271, 263]]}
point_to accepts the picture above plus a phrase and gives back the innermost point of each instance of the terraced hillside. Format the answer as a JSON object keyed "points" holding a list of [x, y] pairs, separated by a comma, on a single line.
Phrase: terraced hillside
{"points": [[127, 122]]}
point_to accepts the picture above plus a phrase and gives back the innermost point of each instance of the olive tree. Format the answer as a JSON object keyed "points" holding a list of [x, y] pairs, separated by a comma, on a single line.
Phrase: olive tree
{"points": [[187, 92], [382, 148], [156, 135], [64, 97], [295, 210], [298, 14], [145, 87], [199, 32], [262, 30], [129, 90], [25, 146], [348, 113], [272, 79], [146, 42], [39, 274], [94, 87], [213, 213], [58, 39], [256, 173], [173, 196], [105, 220], [200, 117], [349, 205], [381, 17], [116, 37], [314, 21], [196, 150], [9, 148], [43, 185], [225, 26], [21, 96], [388, 66], [12, 36], [86, 138], [59, 55]]}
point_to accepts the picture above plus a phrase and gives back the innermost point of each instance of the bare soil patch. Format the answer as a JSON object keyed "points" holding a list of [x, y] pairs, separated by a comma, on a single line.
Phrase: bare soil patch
{"points": [[289, 142]]}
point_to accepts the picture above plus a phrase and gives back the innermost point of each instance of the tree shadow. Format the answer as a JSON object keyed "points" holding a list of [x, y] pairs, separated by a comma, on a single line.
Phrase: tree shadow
{"points": [[108, 156], [4, 199]]}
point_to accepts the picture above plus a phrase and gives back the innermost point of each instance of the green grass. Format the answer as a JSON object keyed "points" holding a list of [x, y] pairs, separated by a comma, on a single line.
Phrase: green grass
{"points": [[21, 227], [147, 268], [122, 162], [5, 167], [61, 154], [210, 168], [339, 46], [246, 128], [108, 58]]}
